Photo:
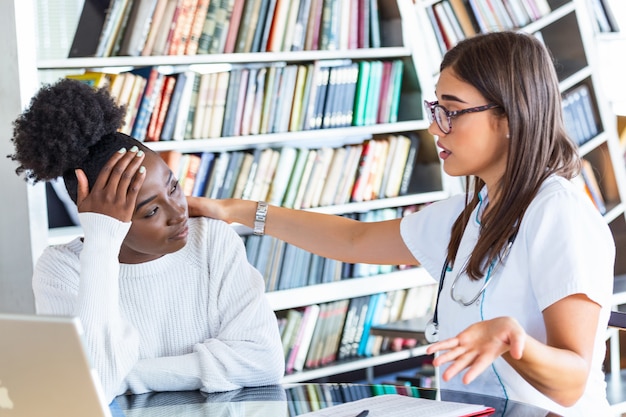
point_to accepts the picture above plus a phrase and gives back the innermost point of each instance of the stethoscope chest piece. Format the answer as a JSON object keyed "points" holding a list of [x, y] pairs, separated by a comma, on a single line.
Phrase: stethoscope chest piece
{"points": [[431, 332]]}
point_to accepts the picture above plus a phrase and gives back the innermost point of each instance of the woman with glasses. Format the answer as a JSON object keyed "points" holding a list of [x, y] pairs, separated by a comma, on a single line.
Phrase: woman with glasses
{"points": [[523, 258]]}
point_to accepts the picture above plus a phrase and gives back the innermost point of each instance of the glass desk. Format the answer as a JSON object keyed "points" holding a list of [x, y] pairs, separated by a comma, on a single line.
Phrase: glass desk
{"points": [[292, 400]]}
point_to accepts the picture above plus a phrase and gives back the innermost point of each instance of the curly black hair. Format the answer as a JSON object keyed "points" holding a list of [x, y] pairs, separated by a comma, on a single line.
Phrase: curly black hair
{"points": [[68, 125]]}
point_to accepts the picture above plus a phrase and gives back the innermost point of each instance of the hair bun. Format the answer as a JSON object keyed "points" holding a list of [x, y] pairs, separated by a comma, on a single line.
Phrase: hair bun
{"points": [[61, 123]]}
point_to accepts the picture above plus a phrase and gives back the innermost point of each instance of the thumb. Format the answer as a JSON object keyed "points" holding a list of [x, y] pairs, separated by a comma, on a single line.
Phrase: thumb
{"points": [[83, 186]]}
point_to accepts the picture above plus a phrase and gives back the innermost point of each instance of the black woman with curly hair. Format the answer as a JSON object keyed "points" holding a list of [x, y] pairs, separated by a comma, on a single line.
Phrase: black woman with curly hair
{"points": [[167, 302]]}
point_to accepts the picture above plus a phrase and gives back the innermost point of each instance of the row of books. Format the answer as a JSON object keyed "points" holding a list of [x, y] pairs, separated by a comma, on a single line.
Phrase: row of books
{"points": [[286, 266], [320, 334], [190, 27], [305, 398], [253, 99], [381, 167], [578, 114], [454, 20]]}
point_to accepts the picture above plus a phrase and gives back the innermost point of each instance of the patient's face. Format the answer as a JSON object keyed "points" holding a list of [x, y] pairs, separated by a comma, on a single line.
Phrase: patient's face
{"points": [[159, 224]]}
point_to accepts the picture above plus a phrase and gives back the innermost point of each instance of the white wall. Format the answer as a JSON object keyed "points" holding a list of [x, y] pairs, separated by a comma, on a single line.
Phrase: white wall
{"points": [[23, 220]]}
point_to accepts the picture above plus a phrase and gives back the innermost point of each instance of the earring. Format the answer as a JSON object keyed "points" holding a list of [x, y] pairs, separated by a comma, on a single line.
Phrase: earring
{"points": [[508, 136]]}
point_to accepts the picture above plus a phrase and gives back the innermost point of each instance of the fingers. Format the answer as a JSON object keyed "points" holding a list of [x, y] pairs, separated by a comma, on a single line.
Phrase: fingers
{"points": [[117, 186], [119, 175], [83, 186]]}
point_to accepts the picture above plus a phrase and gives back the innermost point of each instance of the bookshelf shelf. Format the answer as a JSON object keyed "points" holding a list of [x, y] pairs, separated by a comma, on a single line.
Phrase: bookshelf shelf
{"points": [[306, 137], [353, 365], [236, 58], [323, 293]]}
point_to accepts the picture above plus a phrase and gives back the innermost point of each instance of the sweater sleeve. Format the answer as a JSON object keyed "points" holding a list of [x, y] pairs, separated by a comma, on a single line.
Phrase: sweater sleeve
{"points": [[89, 289], [248, 349], [244, 347]]}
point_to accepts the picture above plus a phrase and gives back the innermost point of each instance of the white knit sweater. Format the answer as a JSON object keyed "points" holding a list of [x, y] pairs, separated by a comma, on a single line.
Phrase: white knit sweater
{"points": [[194, 319]]}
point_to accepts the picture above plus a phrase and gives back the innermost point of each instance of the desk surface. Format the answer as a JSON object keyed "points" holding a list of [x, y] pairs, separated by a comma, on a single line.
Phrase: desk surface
{"points": [[289, 401]]}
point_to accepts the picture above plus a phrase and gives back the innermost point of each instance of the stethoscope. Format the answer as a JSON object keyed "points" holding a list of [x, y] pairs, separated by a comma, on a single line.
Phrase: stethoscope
{"points": [[431, 331]]}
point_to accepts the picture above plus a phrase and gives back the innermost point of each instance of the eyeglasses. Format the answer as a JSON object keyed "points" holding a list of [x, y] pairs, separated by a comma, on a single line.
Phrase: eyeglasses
{"points": [[443, 116]]}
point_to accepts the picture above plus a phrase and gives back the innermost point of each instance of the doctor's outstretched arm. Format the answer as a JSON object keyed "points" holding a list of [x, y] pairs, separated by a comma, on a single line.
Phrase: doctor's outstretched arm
{"points": [[326, 235]]}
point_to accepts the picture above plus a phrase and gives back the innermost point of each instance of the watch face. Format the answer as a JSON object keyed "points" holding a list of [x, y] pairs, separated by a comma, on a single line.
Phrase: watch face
{"points": [[431, 332]]}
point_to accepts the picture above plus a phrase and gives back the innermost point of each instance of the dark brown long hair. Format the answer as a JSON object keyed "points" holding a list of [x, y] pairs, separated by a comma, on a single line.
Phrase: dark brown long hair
{"points": [[515, 71]]}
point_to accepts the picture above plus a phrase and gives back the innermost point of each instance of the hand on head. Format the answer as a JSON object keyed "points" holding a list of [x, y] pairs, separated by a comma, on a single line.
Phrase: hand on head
{"points": [[115, 192], [476, 347]]}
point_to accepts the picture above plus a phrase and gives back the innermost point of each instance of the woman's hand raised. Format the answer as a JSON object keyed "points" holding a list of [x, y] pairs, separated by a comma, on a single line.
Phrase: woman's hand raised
{"points": [[115, 192]]}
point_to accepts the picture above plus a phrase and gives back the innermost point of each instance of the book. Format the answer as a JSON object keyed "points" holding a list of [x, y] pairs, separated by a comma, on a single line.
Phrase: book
{"points": [[139, 23], [208, 28], [222, 24], [303, 339], [90, 25], [167, 132], [264, 169], [190, 174], [304, 178], [251, 177], [156, 123], [95, 79], [364, 171], [219, 105], [195, 29], [203, 174], [266, 23], [203, 97], [240, 101], [133, 102], [248, 102], [217, 175], [284, 168], [155, 25], [409, 167], [242, 176], [331, 185], [397, 405], [277, 29], [374, 18], [162, 32], [591, 182], [296, 178], [314, 354], [300, 26], [363, 24], [248, 24], [313, 25], [110, 28], [360, 99], [318, 177], [292, 15], [259, 99], [230, 176], [398, 160], [233, 15], [148, 100], [123, 28], [182, 27], [295, 121], [180, 124], [285, 98], [348, 175]]}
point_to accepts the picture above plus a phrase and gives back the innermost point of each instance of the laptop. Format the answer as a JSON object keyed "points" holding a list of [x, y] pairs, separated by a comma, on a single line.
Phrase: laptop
{"points": [[45, 370]]}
